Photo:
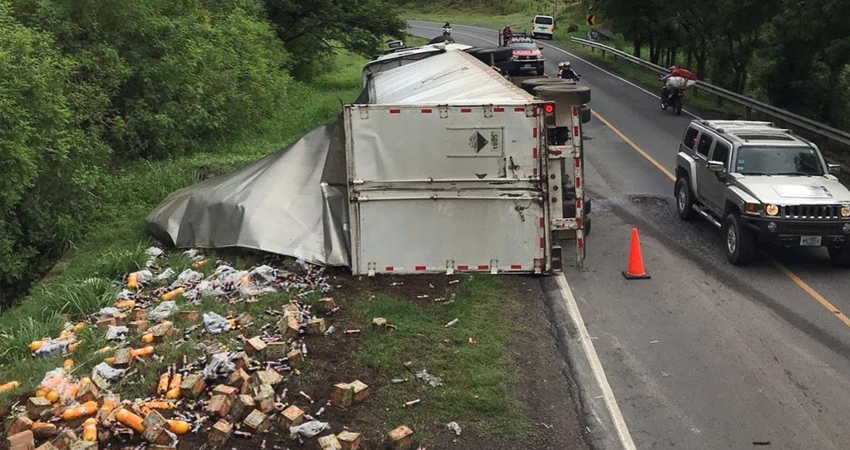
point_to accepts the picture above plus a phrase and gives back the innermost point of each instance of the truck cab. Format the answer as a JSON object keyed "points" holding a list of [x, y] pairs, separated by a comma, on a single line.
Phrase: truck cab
{"points": [[760, 183]]}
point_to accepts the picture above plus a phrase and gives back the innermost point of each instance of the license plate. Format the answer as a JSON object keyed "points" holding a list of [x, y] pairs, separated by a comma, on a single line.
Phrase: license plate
{"points": [[810, 241], [528, 66]]}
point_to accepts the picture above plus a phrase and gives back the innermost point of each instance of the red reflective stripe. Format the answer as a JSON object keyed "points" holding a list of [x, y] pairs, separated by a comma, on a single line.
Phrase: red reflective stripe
{"points": [[578, 223], [395, 111], [388, 269], [575, 131], [542, 223], [516, 267], [420, 268], [466, 110], [580, 243], [534, 172], [578, 182], [542, 242], [575, 111], [534, 132], [498, 109], [534, 152], [578, 203], [519, 109], [483, 267], [577, 162], [462, 267], [426, 111]]}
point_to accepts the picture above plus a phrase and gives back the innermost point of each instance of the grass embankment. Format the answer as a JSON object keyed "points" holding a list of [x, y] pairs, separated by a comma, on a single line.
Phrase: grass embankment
{"points": [[84, 282], [477, 376]]}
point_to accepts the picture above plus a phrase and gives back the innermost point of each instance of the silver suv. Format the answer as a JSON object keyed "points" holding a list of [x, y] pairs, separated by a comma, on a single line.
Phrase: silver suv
{"points": [[760, 183]]}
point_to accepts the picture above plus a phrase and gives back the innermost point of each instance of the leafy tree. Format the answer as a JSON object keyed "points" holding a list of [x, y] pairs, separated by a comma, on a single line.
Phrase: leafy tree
{"points": [[312, 30]]}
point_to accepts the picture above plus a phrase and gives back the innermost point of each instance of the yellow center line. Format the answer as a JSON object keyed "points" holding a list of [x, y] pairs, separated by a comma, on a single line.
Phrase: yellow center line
{"points": [[634, 146], [809, 290], [788, 273]]}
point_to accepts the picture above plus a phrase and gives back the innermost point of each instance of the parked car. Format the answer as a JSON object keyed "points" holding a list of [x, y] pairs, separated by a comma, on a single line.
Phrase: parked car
{"points": [[543, 26], [759, 183]]}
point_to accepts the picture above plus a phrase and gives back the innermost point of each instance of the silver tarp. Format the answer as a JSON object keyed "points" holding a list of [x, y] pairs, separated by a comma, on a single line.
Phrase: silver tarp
{"points": [[292, 202]]}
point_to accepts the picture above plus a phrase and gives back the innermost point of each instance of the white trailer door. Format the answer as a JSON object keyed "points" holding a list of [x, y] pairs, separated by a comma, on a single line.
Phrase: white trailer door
{"points": [[442, 189]]}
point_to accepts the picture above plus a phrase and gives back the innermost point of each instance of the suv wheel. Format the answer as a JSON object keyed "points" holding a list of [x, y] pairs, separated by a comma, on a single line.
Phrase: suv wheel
{"points": [[840, 256], [684, 199], [739, 242]]}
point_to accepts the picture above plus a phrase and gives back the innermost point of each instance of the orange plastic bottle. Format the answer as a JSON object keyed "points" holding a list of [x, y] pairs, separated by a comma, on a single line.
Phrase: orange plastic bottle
{"points": [[104, 350], [9, 386], [41, 393], [90, 429], [160, 404], [144, 351], [133, 281], [162, 386], [35, 345], [52, 396], [73, 347], [79, 327], [199, 264], [178, 426], [147, 338], [131, 420], [174, 388], [125, 304], [86, 409], [171, 295], [68, 365], [110, 360], [72, 391]]}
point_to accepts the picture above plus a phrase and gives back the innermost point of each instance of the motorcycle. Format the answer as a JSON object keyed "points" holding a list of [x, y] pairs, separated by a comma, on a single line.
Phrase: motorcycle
{"points": [[575, 78], [672, 98]]}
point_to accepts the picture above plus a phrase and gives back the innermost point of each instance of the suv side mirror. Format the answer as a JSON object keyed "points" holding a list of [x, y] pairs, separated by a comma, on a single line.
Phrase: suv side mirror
{"points": [[716, 166], [540, 48], [718, 169], [834, 169]]}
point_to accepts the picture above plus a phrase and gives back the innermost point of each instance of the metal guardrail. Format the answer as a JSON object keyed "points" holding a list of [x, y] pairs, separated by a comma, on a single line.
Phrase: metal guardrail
{"points": [[779, 114]]}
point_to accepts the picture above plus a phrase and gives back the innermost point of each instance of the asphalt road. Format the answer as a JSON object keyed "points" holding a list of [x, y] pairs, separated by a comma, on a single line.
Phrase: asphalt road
{"points": [[704, 355]]}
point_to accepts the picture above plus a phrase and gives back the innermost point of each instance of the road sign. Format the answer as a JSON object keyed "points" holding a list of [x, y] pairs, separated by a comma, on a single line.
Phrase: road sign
{"points": [[590, 19]]}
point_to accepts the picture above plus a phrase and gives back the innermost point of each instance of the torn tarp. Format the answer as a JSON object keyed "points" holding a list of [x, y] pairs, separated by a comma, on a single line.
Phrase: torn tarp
{"points": [[293, 202]]}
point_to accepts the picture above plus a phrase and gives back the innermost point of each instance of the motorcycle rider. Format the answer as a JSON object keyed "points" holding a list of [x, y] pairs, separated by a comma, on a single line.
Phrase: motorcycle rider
{"points": [[674, 71], [447, 29], [507, 34], [566, 72]]}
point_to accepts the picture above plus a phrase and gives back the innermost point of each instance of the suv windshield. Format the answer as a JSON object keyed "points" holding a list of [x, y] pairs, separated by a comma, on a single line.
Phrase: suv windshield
{"points": [[523, 46], [543, 20], [753, 160]]}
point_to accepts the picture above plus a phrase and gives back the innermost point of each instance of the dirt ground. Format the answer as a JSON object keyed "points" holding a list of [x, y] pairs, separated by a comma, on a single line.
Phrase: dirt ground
{"points": [[543, 389]]}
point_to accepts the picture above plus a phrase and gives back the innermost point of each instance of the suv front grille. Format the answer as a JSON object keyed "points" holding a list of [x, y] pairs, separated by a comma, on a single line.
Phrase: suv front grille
{"points": [[817, 212]]}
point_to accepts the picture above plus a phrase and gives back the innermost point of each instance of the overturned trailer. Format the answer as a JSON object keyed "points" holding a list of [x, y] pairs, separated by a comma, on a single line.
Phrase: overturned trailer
{"points": [[449, 170], [441, 166]]}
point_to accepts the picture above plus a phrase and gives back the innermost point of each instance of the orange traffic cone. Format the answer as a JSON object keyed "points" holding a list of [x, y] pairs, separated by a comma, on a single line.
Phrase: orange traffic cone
{"points": [[635, 270]]}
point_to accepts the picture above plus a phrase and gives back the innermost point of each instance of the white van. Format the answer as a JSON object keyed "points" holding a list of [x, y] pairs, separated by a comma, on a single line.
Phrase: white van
{"points": [[543, 26]]}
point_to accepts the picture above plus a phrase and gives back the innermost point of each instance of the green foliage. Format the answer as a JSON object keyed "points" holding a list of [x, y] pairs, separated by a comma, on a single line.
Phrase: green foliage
{"points": [[93, 90], [312, 30]]}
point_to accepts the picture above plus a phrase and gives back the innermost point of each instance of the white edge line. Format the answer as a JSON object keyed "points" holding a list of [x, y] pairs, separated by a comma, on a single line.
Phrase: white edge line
{"points": [[596, 365], [575, 57]]}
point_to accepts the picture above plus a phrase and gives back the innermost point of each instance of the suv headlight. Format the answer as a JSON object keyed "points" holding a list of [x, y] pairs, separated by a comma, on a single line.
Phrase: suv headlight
{"points": [[845, 211], [771, 210]]}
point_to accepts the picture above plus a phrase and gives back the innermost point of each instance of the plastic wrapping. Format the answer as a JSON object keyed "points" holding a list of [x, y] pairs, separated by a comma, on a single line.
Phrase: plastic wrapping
{"points": [[307, 429], [215, 324], [163, 311], [117, 333], [57, 380], [107, 372], [107, 312], [219, 365], [188, 276], [54, 347], [427, 378], [166, 275]]}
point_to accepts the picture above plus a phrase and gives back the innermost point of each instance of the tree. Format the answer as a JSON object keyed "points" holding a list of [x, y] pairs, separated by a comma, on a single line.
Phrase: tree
{"points": [[312, 30]]}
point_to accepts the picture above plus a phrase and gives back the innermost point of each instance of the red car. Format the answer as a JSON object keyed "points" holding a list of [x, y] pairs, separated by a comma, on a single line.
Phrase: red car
{"points": [[527, 56]]}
